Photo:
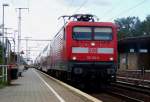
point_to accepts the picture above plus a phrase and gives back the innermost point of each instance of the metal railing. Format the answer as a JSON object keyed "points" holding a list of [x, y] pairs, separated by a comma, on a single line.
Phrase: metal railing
{"points": [[3, 73]]}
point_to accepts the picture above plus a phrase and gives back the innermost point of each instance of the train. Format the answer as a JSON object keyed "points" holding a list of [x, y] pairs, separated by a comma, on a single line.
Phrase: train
{"points": [[83, 50]]}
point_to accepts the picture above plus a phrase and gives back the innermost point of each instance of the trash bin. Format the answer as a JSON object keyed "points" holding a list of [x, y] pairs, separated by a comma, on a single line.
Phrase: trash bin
{"points": [[14, 73], [13, 70]]}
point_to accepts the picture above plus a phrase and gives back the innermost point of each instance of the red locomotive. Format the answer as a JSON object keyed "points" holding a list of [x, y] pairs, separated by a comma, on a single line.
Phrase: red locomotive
{"points": [[84, 50]]}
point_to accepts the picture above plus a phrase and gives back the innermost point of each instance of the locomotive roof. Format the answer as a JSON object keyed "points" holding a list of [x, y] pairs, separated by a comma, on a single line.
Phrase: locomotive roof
{"points": [[81, 23]]}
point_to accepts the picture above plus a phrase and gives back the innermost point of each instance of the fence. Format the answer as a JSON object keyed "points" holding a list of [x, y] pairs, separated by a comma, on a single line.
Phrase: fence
{"points": [[3, 73]]}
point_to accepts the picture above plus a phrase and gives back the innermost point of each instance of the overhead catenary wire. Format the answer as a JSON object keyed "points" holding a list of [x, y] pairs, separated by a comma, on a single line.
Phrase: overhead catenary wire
{"points": [[129, 9], [71, 3], [36, 39], [83, 4], [107, 12]]}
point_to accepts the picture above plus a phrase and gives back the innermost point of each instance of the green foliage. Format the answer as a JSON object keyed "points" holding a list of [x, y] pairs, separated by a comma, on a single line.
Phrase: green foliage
{"points": [[146, 26], [2, 84], [128, 27], [1, 59]]}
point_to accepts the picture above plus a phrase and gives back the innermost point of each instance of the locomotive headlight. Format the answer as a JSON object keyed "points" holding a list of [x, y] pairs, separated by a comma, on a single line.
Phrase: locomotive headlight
{"points": [[74, 58], [92, 44], [111, 58]]}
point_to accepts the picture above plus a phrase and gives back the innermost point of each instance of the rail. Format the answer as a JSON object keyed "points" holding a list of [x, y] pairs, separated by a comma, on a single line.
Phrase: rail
{"points": [[131, 92], [138, 77], [3, 73], [126, 97]]}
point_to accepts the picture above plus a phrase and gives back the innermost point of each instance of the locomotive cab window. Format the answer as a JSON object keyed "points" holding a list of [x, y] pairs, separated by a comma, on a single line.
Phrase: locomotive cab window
{"points": [[82, 33], [102, 33]]}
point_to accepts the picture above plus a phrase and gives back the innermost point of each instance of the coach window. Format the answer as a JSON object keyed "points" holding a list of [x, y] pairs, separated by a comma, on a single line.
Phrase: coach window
{"points": [[82, 33], [102, 33]]}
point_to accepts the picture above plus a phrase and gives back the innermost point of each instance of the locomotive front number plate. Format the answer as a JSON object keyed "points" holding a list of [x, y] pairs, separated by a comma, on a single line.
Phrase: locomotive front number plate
{"points": [[92, 50]]}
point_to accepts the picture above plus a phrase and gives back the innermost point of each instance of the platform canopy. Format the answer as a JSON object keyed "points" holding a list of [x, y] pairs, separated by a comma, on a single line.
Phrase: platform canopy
{"points": [[134, 44]]}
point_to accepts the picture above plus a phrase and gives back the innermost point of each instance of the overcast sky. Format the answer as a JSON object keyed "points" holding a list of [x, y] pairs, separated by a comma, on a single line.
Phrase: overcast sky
{"points": [[41, 21]]}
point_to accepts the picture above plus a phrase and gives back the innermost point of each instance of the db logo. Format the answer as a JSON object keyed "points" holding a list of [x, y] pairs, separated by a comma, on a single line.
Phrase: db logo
{"points": [[92, 50]]}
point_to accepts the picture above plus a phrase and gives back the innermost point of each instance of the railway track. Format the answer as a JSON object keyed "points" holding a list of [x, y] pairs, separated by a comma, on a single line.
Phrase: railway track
{"points": [[120, 92], [125, 97], [134, 81], [137, 88]]}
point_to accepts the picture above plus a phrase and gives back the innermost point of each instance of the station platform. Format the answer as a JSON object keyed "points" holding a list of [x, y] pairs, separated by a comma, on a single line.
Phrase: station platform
{"points": [[34, 86]]}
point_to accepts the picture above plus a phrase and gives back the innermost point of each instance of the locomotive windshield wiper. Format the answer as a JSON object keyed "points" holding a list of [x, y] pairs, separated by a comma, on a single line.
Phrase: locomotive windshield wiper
{"points": [[74, 36]]}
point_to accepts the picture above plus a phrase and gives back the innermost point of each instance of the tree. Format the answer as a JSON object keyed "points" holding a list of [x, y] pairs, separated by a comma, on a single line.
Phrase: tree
{"points": [[128, 27], [146, 26]]}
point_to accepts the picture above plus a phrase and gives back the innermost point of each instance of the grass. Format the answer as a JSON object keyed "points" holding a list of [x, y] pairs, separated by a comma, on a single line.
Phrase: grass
{"points": [[2, 84]]}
